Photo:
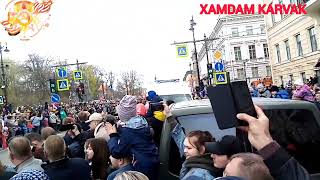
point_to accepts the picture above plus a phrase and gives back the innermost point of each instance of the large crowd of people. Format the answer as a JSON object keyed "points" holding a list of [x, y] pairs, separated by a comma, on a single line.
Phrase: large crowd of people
{"points": [[298, 90], [121, 141]]}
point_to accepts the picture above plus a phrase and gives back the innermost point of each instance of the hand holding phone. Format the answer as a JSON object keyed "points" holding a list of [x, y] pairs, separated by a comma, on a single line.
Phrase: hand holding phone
{"points": [[75, 130], [66, 127]]}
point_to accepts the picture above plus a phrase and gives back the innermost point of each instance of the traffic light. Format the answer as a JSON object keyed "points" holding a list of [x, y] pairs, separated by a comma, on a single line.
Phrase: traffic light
{"points": [[53, 86], [210, 70]]}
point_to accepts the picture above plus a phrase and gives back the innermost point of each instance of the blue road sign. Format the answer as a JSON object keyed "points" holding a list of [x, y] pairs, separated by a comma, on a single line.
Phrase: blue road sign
{"points": [[55, 98], [62, 72], [219, 66], [220, 78], [63, 84], [77, 75], [1, 100], [182, 51]]}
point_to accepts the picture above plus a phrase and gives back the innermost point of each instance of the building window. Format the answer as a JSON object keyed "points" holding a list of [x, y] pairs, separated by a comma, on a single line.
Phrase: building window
{"points": [[303, 77], [281, 80], [237, 53], [263, 28], [240, 73], [286, 42], [255, 72], [268, 68], [235, 32], [252, 51], [299, 45], [266, 50], [313, 39], [249, 30], [278, 53], [291, 78]]}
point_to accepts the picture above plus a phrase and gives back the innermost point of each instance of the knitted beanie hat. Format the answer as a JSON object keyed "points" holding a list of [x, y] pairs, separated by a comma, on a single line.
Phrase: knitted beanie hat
{"points": [[127, 108]]}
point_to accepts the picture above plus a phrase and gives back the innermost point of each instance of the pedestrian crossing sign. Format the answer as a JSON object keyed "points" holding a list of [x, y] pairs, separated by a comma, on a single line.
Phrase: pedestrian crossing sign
{"points": [[63, 84], [77, 75], [182, 51], [220, 78]]}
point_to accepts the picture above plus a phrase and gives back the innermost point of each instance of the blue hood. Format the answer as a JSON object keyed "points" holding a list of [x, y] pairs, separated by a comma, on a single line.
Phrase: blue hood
{"points": [[137, 122]]}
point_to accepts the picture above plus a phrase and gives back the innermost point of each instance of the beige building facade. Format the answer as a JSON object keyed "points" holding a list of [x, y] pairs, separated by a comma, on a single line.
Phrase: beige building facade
{"points": [[294, 46], [242, 40]]}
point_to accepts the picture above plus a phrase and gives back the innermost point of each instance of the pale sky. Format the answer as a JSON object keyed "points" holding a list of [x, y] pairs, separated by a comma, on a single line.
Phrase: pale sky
{"points": [[118, 35]]}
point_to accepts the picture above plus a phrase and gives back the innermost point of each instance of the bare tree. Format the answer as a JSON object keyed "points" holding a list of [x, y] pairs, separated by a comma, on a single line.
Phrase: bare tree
{"points": [[36, 74], [130, 83]]}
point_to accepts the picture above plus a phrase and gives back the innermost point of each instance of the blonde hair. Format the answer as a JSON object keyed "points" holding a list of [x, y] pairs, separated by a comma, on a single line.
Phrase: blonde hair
{"points": [[131, 175]]}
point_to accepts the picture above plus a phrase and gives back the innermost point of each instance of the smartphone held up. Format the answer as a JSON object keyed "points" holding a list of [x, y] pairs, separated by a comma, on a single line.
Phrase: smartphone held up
{"points": [[227, 100]]}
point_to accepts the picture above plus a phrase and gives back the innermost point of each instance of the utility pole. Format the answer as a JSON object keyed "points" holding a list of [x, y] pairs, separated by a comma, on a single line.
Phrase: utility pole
{"points": [[4, 84], [192, 24], [78, 64], [208, 63], [244, 69], [194, 41]]}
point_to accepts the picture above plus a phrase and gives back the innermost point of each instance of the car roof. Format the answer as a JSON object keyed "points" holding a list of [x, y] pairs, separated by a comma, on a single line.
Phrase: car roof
{"points": [[203, 106]]}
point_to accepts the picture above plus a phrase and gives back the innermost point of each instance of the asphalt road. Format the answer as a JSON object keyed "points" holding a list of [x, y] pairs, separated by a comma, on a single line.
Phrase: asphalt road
{"points": [[4, 156]]}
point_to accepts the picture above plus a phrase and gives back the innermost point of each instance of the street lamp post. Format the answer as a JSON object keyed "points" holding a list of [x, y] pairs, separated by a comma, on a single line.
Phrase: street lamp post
{"points": [[245, 69], [192, 24], [4, 84], [191, 76], [208, 62]]}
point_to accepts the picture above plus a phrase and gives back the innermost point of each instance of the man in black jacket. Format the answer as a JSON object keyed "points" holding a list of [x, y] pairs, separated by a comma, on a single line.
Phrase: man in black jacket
{"points": [[281, 165], [60, 167]]}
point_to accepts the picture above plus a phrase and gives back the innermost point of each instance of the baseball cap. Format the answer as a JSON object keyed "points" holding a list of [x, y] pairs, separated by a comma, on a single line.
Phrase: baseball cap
{"points": [[125, 153], [228, 145], [95, 117]]}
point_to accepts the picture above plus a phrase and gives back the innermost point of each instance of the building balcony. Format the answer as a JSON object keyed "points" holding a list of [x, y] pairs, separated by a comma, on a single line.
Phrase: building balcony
{"points": [[313, 9]]}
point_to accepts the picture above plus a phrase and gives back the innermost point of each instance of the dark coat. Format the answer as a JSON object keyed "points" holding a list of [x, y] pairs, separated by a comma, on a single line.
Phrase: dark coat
{"points": [[136, 138], [67, 169], [157, 129], [200, 166], [75, 145], [7, 175], [84, 126], [282, 166]]}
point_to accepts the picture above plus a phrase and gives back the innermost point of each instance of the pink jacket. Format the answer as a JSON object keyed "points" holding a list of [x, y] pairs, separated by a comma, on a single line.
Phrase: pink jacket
{"points": [[304, 93]]}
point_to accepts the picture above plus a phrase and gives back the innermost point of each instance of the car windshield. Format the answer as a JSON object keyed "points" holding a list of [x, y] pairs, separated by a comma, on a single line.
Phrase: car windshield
{"points": [[204, 122], [176, 97]]}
